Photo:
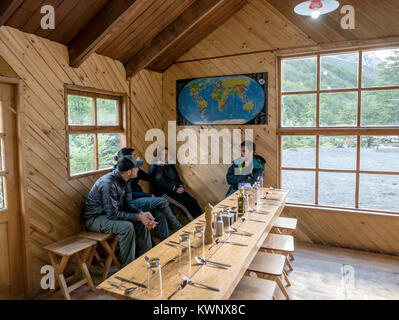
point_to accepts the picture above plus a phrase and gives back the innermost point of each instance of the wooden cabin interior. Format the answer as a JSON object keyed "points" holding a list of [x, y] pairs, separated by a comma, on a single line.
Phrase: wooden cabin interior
{"points": [[330, 136]]}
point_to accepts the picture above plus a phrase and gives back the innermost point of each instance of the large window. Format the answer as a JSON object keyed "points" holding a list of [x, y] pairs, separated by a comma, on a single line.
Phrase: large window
{"points": [[339, 129], [95, 130]]}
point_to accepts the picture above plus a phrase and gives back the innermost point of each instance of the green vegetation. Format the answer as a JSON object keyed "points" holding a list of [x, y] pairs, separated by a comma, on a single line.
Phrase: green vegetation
{"points": [[81, 146]]}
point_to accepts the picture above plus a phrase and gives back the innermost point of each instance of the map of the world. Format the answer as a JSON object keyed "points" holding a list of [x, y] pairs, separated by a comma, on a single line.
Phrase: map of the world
{"points": [[238, 99]]}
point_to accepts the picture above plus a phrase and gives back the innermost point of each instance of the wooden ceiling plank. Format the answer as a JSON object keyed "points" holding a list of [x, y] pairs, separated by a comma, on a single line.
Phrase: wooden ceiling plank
{"points": [[214, 21], [99, 29], [183, 25], [8, 8]]}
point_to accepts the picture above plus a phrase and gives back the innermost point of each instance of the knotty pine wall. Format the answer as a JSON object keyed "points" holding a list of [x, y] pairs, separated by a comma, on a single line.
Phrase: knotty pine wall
{"points": [[53, 200], [255, 28]]}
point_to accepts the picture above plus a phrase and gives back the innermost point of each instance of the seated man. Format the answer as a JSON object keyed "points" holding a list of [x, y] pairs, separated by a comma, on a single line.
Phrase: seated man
{"points": [[168, 184], [246, 169], [158, 206], [109, 209]]}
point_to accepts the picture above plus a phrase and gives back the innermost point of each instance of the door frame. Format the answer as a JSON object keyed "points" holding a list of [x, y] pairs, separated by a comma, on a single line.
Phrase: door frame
{"points": [[21, 151]]}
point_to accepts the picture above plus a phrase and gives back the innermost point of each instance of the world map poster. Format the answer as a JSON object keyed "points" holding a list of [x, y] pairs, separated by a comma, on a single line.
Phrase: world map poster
{"points": [[222, 100]]}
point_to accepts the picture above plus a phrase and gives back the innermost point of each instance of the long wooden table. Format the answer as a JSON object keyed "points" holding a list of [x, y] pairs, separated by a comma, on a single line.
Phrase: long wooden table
{"points": [[226, 280]]}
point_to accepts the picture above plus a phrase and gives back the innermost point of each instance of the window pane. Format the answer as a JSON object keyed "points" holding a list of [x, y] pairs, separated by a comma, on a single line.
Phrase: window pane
{"points": [[339, 71], [338, 153], [81, 151], [107, 112], [380, 68], [299, 110], [338, 109], [1, 154], [379, 153], [80, 110], [1, 194], [108, 146], [301, 185], [299, 74], [337, 189], [379, 192], [299, 152], [380, 108]]}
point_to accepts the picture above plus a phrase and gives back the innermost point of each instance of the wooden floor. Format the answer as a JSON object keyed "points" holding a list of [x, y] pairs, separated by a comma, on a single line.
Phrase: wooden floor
{"points": [[320, 273]]}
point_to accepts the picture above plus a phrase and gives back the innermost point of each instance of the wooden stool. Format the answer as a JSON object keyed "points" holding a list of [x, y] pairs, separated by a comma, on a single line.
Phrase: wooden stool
{"points": [[65, 249], [251, 288], [286, 226], [270, 266], [102, 238], [278, 243]]}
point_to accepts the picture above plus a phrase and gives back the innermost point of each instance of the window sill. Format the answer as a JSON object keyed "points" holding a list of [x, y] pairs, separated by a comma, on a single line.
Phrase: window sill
{"points": [[90, 173], [314, 208]]}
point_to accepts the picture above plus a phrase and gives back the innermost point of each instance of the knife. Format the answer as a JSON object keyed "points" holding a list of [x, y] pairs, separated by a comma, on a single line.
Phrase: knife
{"points": [[131, 281], [234, 243]]}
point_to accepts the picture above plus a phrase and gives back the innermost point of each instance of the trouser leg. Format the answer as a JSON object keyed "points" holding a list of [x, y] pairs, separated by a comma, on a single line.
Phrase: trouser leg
{"points": [[125, 231], [143, 239], [193, 204]]}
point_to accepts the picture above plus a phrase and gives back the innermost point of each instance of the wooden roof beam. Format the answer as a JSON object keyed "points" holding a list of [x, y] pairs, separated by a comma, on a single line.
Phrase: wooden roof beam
{"points": [[172, 34], [115, 14], [8, 8]]}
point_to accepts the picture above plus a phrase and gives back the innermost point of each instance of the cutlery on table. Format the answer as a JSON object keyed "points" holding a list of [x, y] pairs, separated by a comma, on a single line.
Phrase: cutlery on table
{"points": [[199, 259], [187, 279], [120, 285], [214, 244], [131, 281], [253, 220], [234, 243], [242, 231], [240, 234], [181, 287], [177, 243]]}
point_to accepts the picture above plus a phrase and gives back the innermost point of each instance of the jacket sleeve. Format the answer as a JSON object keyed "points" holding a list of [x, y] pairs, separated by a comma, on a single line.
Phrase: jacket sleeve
{"points": [[180, 183], [142, 175], [161, 181], [233, 179], [111, 205], [136, 195], [259, 172]]}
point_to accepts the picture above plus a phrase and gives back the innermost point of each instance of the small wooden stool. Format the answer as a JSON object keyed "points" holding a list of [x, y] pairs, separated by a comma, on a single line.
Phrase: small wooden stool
{"points": [[286, 226], [251, 288], [279, 243], [270, 266], [65, 249], [102, 238]]}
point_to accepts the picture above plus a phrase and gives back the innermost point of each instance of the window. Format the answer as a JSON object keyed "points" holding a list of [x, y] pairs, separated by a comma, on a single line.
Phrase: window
{"points": [[95, 130], [339, 129]]}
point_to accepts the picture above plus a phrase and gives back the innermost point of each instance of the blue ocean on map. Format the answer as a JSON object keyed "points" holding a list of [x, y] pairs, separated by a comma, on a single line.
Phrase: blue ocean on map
{"points": [[221, 100]]}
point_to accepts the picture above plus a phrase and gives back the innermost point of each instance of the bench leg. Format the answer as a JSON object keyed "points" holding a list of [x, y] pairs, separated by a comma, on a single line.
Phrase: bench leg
{"points": [[83, 267], [291, 257], [281, 286], [110, 256], [59, 270], [288, 264], [286, 279]]}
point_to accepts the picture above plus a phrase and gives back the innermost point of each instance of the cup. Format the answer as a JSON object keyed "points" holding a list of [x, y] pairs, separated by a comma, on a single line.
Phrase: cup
{"points": [[199, 241], [185, 250], [154, 278]]}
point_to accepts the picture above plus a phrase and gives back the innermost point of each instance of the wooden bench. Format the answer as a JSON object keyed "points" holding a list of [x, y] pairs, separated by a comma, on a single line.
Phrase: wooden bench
{"points": [[287, 226], [270, 266], [281, 244], [60, 253], [251, 288], [109, 247]]}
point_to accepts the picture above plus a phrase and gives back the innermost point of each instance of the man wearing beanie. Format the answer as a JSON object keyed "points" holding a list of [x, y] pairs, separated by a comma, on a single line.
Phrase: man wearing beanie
{"points": [[108, 209]]}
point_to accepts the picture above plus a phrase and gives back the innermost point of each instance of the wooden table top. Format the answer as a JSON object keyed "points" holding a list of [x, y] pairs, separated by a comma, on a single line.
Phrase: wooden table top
{"points": [[226, 280]]}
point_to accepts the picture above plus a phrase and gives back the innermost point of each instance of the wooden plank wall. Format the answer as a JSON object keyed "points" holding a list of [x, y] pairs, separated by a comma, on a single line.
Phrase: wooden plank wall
{"points": [[54, 201], [257, 27]]}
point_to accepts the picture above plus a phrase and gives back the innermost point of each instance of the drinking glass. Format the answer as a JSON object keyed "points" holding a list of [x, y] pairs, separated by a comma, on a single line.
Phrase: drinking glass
{"points": [[185, 250], [226, 219], [260, 181], [199, 241], [246, 205], [154, 278], [257, 195]]}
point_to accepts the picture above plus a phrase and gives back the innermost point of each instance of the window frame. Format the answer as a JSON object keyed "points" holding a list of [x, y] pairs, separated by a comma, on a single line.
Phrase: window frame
{"points": [[318, 131], [95, 129]]}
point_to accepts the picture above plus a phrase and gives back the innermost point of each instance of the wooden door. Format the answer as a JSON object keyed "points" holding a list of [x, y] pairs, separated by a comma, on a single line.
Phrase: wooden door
{"points": [[11, 264]]}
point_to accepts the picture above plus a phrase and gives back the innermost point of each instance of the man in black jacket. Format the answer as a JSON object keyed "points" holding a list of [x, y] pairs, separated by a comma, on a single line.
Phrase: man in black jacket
{"points": [[109, 209], [167, 183]]}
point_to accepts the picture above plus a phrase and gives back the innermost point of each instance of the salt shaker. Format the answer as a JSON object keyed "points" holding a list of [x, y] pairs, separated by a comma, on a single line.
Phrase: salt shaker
{"points": [[219, 225]]}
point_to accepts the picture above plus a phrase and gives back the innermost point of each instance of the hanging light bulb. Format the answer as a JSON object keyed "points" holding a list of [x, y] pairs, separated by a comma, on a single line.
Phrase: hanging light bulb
{"points": [[315, 8], [315, 14]]}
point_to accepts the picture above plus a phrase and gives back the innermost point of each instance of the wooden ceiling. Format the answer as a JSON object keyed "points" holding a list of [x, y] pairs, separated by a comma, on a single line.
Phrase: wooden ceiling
{"points": [[374, 19], [154, 34], [149, 34]]}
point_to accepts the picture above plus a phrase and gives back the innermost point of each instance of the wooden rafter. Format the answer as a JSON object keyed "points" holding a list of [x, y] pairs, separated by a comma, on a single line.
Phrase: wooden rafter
{"points": [[99, 30], [196, 14], [8, 8]]}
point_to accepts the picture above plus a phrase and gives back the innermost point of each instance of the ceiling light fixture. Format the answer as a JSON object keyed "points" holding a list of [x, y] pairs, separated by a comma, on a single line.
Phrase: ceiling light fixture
{"points": [[315, 8]]}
